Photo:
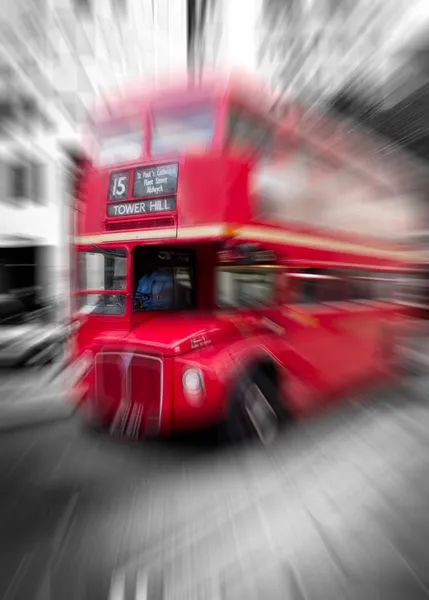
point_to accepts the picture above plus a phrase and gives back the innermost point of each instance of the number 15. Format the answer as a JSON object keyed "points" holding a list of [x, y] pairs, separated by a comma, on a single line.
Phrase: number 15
{"points": [[119, 186]]}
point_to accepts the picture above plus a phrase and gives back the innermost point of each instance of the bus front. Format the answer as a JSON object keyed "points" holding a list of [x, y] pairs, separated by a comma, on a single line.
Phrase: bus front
{"points": [[154, 208]]}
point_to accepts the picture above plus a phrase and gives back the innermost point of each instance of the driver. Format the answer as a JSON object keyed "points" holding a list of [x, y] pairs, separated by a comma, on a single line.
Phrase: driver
{"points": [[155, 290]]}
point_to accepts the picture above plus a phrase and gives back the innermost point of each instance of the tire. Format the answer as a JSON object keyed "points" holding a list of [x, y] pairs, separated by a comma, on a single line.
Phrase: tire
{"points": [[255, 410]]}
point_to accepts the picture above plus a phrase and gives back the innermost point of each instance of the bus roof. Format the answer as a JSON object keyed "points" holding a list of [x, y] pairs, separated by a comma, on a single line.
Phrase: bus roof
{"points": [[244, 88], [340, 137]]}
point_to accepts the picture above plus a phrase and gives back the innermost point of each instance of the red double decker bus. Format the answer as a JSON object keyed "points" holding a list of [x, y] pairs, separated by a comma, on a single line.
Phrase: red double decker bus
{"points": [[231, 269]]}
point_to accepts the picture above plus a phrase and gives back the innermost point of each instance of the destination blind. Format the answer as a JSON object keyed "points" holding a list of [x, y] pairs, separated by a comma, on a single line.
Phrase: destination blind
{"points": [[155, 186], [142, 207]]}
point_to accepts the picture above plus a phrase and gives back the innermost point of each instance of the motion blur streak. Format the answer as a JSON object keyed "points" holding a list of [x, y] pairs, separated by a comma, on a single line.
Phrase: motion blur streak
{"points": [[214, 299]]}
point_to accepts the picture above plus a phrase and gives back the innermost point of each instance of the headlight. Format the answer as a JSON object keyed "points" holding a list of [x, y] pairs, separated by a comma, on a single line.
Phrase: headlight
{"points": [[192, 382]]}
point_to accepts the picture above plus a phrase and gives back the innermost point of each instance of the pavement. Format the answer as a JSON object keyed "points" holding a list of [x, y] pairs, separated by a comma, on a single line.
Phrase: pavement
{"points": [[337, 509]]}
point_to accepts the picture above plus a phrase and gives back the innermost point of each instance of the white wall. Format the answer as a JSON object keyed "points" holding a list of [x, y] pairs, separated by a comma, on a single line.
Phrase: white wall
{"points": [[94, 55]]}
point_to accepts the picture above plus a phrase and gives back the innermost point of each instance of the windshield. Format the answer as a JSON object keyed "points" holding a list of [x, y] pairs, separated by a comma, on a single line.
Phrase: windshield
{"points": [[99, 271], [120, 144], [163, 280], [182, 130]]}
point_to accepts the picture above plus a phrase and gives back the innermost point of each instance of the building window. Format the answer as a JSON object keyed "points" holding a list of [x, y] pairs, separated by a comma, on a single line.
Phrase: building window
{"points": [[36, 181], [18, 181], [3, 181], [119, 7], [83, 7], [7, 116]]}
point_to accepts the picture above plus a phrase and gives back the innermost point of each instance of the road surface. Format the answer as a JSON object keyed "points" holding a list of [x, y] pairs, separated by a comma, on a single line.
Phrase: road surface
{"points": [[336, 509]]}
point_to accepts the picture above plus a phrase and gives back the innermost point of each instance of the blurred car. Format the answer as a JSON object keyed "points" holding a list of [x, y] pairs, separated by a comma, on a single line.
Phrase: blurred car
{"points": [[27, 338]]}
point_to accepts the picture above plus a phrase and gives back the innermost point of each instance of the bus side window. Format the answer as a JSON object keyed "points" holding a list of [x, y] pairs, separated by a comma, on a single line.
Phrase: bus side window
{"points": [[302, 289], [331, 289], [412, 288], [359, 287], [391, 284], [381, 287], [248, 134], [239, 287], [292, 295]]}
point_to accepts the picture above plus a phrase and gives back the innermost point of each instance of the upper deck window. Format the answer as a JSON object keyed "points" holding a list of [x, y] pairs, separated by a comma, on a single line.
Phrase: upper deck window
{"points": [[247, 133], [121, 144], [182, 130]]}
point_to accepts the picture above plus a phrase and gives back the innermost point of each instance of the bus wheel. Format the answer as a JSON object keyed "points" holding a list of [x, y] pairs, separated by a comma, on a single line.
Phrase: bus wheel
{"points": [[254, 409]]}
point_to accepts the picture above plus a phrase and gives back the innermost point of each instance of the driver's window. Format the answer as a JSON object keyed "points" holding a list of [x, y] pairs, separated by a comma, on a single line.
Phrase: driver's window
{"points": [[163, 280]]}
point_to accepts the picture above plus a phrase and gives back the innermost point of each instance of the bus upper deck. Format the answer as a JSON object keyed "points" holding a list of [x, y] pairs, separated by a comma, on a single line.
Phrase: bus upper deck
{"points": [[195, 164]]}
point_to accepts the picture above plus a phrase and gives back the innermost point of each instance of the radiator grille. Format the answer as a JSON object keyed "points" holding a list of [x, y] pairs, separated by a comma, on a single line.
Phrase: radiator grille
{"points": [[131, 384], [145, 389], [109, 382]]}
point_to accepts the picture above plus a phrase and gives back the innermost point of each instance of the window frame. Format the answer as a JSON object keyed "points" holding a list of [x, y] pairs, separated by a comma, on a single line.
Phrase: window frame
{"points": [[105, 254], [81, 292], [19, 172], [347, 291]]}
